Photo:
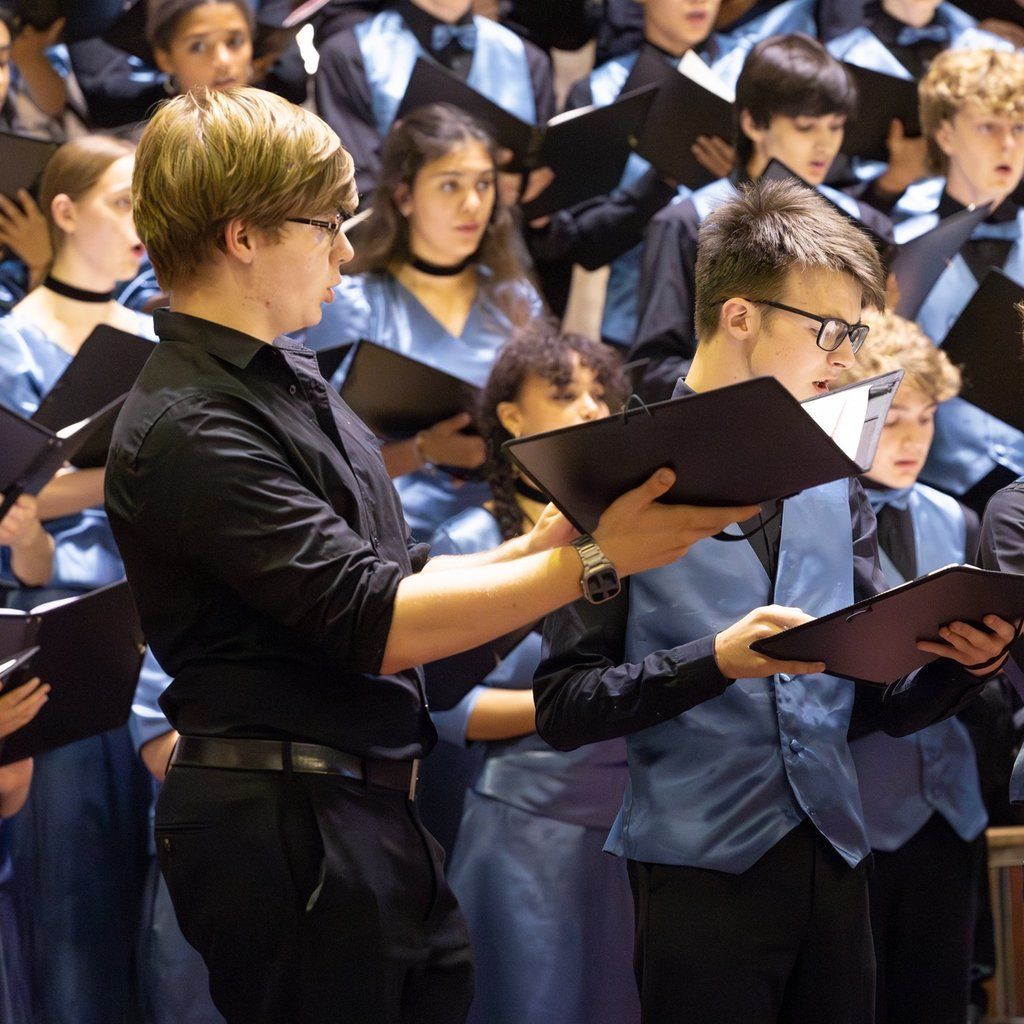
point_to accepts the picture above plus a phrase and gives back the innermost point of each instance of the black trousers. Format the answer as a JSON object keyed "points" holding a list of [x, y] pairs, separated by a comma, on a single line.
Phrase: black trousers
{"points": [[786, 942], [312, 899], [923, 903]]}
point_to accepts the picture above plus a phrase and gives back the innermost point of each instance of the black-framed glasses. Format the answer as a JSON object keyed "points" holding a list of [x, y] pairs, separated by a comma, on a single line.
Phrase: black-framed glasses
{"points": [[332, 227], [833, 330]]}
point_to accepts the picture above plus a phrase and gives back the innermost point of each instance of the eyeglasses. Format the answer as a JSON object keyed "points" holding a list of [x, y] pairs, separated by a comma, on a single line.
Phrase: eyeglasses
{"points": [[332, 227], [833, 330]]}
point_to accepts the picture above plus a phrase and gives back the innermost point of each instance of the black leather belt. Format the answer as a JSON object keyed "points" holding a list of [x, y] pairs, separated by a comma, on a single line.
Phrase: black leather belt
{"points": [[279, 755]]}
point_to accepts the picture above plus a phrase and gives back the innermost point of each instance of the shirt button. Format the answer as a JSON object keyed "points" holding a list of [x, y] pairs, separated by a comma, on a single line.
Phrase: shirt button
{"points": [[292, 389], [796, 746], [784, 678]]}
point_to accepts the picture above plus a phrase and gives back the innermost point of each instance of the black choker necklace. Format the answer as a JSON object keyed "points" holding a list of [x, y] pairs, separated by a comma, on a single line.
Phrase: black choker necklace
{"points": [[523, 488], [80, 294], [435, 270]]}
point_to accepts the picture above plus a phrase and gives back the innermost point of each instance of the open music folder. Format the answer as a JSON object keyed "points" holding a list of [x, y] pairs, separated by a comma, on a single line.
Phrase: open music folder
{"points": [[745, 444], [89, 649]]}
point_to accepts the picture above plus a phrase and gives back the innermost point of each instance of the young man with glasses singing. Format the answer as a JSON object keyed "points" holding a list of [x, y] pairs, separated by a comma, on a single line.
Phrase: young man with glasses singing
{"points": [[742, 820]]}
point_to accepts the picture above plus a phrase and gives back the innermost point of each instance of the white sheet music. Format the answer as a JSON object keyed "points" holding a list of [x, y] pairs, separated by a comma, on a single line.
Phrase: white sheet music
{"points": [[841, 415], [697, 71]]}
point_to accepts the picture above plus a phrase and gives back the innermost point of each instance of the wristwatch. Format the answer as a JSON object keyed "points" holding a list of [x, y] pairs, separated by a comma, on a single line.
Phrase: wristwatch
{"points": [[600, 581]]}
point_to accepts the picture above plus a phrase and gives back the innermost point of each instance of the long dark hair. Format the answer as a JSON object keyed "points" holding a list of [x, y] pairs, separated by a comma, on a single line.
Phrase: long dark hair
{"points": [[542, 351], [427, 134]]}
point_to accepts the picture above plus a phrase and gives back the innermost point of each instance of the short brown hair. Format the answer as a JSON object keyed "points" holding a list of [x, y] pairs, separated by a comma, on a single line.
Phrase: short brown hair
{"points": [[893, 344], [210, 156], [990, 79], [75, 169], [748, 246]]}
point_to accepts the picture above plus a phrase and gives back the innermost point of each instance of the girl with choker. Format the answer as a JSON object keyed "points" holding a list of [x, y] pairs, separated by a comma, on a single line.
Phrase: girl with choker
{"points": [[437, 277], [78, 846], [550, 914]]}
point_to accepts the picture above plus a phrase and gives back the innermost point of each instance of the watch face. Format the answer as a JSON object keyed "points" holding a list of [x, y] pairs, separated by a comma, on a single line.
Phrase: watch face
{"points": [[602, 585]]}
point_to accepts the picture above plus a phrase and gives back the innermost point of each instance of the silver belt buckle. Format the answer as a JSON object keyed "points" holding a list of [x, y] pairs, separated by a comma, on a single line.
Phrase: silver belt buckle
{"points": [[414, 776]]}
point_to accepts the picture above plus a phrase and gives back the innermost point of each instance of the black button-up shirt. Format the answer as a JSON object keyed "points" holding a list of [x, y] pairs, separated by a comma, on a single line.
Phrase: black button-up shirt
{"points": [[264, 544]]}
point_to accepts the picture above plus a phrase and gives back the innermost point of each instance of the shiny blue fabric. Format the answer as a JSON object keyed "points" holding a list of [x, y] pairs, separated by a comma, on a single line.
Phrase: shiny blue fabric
{"points": [[79, 844], [968, 443], [904, 780], [620, 311], [377, 307], [862, 47], [721, 784], [550, 915], [389, 50], [13, 283]]}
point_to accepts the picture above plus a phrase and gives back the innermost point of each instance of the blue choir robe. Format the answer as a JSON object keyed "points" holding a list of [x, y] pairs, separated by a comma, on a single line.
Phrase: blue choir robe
{"points": [[378, 308], [78, 845], [620, 313], [778, 745], [550, 915], [173, 980], [905, 780], [969, 444]]}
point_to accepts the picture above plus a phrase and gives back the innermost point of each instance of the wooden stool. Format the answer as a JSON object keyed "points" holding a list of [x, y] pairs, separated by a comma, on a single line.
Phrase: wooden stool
{"points": [[1006, 879]]}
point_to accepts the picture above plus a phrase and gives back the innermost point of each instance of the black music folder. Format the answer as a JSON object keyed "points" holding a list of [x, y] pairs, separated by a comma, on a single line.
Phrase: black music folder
{"points": [[103, 372], [90, 653], [745, 444], [397, 396], [875, 640], [448, 680], [919, 263], [587, 148], [880, 99], [22, 161], [682, 110], [986, 343], [30, 454]]}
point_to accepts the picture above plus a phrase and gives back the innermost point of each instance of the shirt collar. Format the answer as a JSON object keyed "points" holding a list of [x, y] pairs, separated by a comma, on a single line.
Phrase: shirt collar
{"points": [[232, 346], [1006, 211], [421, 23]]}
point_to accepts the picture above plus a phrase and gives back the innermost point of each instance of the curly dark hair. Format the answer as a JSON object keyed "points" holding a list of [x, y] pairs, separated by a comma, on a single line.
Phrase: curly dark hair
{"points": [[539, 350], [422, 136]]}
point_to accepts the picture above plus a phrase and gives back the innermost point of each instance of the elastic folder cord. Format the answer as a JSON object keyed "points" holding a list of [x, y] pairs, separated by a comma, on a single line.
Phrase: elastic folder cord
{"points": [[762, 523]]}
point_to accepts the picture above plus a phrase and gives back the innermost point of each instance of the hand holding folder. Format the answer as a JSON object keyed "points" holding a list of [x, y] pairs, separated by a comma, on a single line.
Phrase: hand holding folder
{"points": [[745, 444], [88, 650], [876, 640]]}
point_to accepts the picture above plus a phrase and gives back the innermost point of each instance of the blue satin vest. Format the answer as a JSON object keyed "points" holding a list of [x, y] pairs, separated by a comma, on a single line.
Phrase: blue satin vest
{"points": [[720, 785], [499, 70], [968, 443], [379, 308], [620, 313], [904, 780], [580, 787]]}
